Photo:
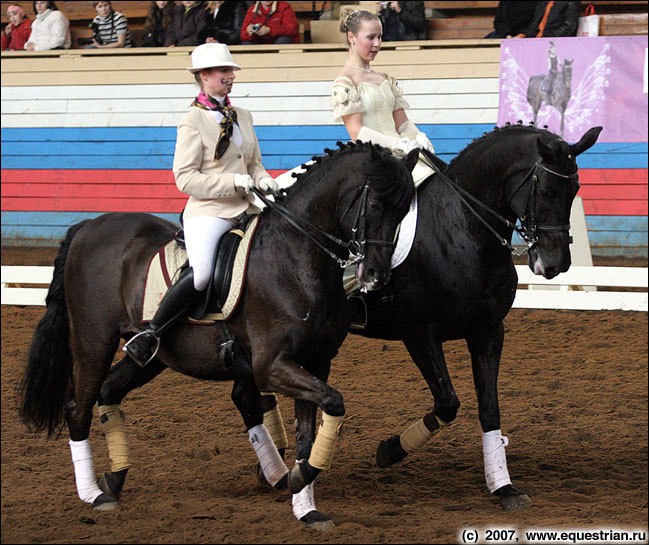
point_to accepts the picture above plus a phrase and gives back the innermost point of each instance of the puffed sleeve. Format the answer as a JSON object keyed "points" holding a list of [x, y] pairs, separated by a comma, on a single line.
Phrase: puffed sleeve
{"points": [[397, 91], [345, 100]]}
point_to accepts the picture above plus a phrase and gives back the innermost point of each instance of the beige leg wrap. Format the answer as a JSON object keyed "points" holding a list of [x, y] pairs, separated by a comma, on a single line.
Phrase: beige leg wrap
{"points": [[275, 426], [323, 450], [417, 435], [112, 422]]}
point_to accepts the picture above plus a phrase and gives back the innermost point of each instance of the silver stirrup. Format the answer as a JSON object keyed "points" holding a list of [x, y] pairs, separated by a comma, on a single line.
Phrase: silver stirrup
{"points": [[155, 352]]}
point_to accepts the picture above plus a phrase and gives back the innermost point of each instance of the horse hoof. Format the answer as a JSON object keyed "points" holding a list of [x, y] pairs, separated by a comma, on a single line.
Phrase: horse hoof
{"points": [[282, 484], [513, 499], [390, 452], [318, 522], [112, 483], [296, 479], [104, 502], [515, 503], [261, 478]]}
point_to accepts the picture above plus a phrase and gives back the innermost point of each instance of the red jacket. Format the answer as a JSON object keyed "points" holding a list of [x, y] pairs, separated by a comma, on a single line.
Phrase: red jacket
{"points": [[280, 18], [18, 37]]}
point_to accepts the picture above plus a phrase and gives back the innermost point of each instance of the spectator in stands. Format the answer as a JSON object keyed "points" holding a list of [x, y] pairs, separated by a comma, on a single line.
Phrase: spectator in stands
{"points": [[190, 25], [17, 32], [50, 29], [402, 20], [158, 22], [110, 28], [226, 21], [217, 169], [512, 18], [270, 23], [553, 19]]}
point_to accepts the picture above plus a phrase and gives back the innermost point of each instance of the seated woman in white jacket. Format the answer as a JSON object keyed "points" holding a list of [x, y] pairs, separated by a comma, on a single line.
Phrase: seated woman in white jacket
{"points": [[371, 104], [50, 28]]}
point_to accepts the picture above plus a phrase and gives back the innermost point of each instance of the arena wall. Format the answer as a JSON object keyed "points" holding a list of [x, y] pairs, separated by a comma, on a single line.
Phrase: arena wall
{"points": [[86, 132]]}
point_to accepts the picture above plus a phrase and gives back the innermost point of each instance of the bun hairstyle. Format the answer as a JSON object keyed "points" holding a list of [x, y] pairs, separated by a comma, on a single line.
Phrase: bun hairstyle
{"points": [[351, 22]]}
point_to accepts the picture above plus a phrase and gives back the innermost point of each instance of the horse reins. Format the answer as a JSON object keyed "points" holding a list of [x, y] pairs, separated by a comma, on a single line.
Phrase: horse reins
{"points": [[356, 246], [528, 228]]}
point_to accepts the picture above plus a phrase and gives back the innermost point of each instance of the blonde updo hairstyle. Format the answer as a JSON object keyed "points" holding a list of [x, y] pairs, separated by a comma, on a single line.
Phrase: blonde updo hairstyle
{"points": [[351, 22]]}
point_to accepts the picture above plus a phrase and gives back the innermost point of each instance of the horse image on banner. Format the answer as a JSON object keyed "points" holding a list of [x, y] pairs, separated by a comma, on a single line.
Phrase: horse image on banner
{"points": [[565, 103]]}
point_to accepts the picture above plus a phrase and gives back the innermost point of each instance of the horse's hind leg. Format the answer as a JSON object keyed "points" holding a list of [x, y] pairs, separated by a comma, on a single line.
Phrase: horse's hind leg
{"points": [[123, 378], [247, 398], [426, 351], [92, 357], [485, 346]]}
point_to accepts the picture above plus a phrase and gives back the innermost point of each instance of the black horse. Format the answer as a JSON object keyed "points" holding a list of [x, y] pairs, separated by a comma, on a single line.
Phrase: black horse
{"points": [[557, 94], [292, 317], [459, 280]]}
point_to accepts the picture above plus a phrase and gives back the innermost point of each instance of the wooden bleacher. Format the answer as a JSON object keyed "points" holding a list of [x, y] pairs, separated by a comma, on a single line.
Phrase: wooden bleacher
{"points": [[450, 19]]}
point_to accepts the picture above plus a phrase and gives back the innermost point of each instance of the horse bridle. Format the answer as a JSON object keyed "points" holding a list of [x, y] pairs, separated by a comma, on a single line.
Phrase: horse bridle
{"points": [[356, 246], [529, 228]]}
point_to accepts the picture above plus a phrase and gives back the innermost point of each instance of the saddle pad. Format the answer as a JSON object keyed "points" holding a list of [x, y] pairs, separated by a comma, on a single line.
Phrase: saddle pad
{"points": [[163, 273]]}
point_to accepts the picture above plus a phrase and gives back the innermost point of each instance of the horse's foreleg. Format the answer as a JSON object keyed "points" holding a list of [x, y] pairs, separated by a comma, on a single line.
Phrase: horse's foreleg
{"points": [[285, 376], [485, 346], [247, 398], [304, 501], [426, 351], [123, 377]]}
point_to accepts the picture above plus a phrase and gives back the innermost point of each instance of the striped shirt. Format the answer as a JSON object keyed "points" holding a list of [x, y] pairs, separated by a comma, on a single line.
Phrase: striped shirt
{"points": [[112, 26]]}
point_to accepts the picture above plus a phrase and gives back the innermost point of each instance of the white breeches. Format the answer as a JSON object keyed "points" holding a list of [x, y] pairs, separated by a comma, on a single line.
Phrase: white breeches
{"points": [[202, 235]]}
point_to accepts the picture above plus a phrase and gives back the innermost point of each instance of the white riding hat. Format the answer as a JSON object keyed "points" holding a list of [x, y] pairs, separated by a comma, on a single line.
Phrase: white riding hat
{"points": [[211, 55]]}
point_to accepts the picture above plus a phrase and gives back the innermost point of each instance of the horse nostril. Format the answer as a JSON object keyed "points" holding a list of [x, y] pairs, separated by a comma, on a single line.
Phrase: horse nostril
{"points": [[371, 274]]}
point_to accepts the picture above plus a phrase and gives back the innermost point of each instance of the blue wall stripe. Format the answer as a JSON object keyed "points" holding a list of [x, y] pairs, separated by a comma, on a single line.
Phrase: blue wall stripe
{"points": [[150, 161]]}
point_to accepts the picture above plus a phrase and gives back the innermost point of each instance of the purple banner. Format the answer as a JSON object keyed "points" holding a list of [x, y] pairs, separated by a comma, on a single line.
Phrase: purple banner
{"points": [[573, 84]]}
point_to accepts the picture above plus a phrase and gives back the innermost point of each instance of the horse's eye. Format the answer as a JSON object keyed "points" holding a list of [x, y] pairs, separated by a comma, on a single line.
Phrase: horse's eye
{"points": [[546, 194], [374, 205]]}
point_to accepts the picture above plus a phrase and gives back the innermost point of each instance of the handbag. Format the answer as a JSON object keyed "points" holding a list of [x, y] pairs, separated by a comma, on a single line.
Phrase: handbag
{"points": [[588, 25]]}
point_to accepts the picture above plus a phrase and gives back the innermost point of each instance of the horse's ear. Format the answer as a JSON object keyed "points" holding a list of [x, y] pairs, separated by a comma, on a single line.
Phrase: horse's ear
{"points": [[412, 158], [547, 151], [586, 141]]}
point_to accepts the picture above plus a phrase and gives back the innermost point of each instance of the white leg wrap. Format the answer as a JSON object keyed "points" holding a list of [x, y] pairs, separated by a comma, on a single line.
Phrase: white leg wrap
{"points": [[495, 460], [271, 462], [303, 502], [84, 471]]}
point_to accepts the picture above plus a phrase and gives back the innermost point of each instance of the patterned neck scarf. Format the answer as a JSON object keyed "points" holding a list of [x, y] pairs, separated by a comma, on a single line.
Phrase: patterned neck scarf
{"points": [[206, 102]]}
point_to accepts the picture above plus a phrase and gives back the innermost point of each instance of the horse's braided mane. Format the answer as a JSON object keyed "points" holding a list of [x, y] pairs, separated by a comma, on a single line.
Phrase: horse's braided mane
{"points": [[508, 128]]}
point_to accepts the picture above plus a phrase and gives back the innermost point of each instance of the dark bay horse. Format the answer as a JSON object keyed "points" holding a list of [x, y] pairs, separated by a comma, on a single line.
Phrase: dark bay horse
{"points": [[558, 93], [291, 320]]}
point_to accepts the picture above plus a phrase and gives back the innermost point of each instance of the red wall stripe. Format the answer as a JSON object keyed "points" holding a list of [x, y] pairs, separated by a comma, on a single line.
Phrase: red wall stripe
{"points": [[616, 192]]}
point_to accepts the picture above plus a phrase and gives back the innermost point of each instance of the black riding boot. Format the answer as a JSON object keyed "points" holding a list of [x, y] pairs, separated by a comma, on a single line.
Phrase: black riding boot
{"points": [[174, 305]]}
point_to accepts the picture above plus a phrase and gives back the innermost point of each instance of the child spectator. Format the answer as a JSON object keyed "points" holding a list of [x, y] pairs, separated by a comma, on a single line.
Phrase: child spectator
{"points": [[190, 25], [226, 21], [403, 20], [158, 23], [17, 31], [512, 18], [553, 19], [270, 23], [50, 29], [111, 28]]}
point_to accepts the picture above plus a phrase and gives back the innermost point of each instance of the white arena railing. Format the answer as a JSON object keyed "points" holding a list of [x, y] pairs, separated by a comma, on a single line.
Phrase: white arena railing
{"points": [[576, 289]]}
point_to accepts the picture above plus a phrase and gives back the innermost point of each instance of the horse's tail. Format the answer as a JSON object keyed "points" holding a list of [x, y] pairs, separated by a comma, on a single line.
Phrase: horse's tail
{"points": [[47, 382]]}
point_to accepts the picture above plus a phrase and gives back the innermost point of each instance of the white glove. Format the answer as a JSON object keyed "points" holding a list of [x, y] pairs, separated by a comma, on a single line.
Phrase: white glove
{"points": [[410, 130], [398, 146], [268, 185], [243, 182], [404, 146], [424, 142]]}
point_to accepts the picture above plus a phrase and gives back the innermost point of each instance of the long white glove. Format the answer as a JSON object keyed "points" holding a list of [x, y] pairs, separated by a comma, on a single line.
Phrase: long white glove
{"points": [[399, 146], [268, 185], [244, 183], [410, 130]]}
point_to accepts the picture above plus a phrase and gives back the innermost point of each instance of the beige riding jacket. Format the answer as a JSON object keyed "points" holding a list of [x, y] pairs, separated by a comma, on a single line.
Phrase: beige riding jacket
{"points": [[210, 183]]}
